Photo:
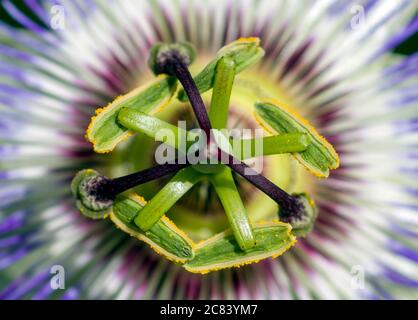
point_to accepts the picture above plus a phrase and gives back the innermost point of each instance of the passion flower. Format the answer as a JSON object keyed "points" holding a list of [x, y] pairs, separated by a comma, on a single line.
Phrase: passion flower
{"points": [[320, 60], [96, 193]]}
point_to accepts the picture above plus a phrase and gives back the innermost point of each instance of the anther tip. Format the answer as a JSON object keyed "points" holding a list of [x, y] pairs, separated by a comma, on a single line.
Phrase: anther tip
{"points": [[161, 54], [303, 218], [90, 202]]}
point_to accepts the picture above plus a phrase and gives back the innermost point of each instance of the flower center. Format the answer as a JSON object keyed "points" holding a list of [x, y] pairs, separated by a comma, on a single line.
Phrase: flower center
{"points": [[199, 212]]}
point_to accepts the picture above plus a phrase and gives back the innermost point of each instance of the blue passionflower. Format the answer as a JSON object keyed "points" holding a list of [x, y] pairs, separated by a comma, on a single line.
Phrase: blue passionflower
{"points": [[332, 61]]}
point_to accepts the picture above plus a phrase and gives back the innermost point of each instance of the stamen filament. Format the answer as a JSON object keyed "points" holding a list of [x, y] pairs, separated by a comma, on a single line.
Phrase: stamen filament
{"points": [[225, 187], [176, 188], [278, 144], [221, 93]]}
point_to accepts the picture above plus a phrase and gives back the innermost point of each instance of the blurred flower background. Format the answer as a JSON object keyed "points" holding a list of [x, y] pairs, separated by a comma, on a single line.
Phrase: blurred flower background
{"points": [[349, 67]]}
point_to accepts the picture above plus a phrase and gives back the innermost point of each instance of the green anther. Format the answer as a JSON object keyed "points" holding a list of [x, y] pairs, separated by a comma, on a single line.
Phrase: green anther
{"points": [[226, 189], [221, 93], [164, 237], [222, 251], [244, 53], [104, 130], [177, 187], [319, 157]]}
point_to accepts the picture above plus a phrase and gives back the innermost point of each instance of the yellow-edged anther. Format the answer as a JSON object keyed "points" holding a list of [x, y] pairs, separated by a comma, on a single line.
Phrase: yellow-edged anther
{"points": [[319, 157], [220, 251], [167, 234], [104, 132]]}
